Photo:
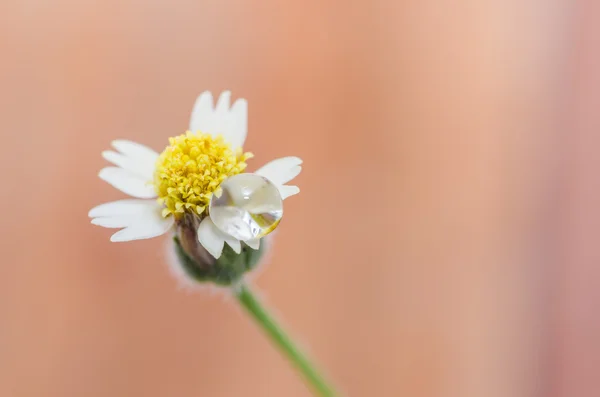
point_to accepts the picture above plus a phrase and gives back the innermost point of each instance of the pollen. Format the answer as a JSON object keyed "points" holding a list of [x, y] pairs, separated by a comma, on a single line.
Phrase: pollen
{"points": [[190, 170]]}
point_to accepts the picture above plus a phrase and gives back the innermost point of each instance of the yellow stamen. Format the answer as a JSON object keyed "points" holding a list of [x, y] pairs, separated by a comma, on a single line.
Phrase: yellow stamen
{"points": [[191, 169]]}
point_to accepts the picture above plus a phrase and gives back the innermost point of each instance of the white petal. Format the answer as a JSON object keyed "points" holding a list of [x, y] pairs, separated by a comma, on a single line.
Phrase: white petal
{"points": [[141, 168], [211, 237], [281, 171], [287, 191], [140, 153], [122, 207], [233, 242], [113, 221], [254, 243], [128, 182], [232, 123], [140, 218], [222, 107], [151, 225], [202, 113], [237, 127]]}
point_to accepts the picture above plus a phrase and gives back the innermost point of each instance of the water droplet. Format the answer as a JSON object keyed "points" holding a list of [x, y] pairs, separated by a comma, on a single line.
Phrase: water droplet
{"points": [[249, 207]]}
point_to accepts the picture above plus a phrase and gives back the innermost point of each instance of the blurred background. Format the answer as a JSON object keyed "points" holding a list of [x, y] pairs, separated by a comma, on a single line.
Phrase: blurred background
{"points": [[445, 242]]}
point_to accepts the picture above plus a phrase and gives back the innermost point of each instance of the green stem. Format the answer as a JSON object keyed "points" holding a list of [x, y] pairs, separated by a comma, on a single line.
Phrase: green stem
{"points": [[278, 336]]}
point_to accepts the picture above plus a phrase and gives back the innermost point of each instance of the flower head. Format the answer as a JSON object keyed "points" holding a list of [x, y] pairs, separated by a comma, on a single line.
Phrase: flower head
{"points": [[191, 169], [192, 186]]}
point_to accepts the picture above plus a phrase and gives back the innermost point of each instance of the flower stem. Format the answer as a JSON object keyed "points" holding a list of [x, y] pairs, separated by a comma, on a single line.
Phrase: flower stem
{"points": [[278, 336]]}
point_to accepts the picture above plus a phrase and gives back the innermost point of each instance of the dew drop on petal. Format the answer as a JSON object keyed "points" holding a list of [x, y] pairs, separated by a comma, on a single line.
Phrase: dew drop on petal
{"points": [[249, 207]]}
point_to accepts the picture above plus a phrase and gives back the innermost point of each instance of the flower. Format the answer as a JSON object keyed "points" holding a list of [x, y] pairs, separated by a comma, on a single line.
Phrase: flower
{"points": [[198, 171]]}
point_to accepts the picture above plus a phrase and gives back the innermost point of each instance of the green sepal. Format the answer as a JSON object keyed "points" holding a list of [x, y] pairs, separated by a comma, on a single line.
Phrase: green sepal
{"points": [[226, 270]]}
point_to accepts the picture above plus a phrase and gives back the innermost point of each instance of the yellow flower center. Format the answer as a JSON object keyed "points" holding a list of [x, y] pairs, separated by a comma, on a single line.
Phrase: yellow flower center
{"points": [[191, 169]]}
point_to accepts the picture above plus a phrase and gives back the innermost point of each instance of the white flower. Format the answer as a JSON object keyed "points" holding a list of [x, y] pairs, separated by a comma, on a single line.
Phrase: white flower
{"points": [[181, 181]]}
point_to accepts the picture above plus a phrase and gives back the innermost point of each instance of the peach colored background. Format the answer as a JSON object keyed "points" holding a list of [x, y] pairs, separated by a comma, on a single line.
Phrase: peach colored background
{"points": [[445, 242]]}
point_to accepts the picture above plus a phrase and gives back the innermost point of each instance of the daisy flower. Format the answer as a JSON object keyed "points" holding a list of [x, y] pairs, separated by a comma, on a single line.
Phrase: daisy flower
{"points": [[197, 188], [197, 185]]}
